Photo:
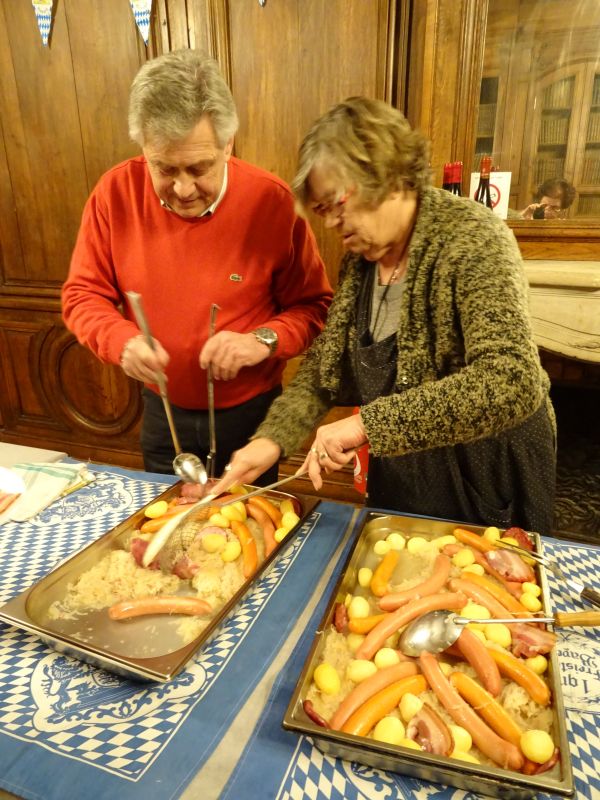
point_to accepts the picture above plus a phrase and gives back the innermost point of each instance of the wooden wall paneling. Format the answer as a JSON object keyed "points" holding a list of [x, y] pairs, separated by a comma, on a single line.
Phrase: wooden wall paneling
{"points": [[22, 341], [159, 29], [44, 148], [174, 18], [304, 53], [13, 224], [101, 83], [421, 61], [447, 38], [11, 255], [51, 395]]}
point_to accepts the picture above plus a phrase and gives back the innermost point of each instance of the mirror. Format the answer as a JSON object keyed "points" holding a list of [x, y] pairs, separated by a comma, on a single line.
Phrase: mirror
{"points": [[539, 103]]}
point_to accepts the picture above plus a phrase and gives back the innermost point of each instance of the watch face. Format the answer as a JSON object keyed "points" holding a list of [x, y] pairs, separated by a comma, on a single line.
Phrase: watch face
{"points": [[266, 336]]}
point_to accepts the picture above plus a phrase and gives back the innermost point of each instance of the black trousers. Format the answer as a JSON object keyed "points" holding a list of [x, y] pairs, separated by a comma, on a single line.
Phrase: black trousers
{"points": [[233, 428]]}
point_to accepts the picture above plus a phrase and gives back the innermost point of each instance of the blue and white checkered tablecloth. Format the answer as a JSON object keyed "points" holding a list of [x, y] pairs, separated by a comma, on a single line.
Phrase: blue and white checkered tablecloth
{"points": [[298, 769], [69, 730]]}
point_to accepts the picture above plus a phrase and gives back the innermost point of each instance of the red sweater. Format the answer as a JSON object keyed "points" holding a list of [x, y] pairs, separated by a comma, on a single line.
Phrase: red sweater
{"points": [[254, 257]]}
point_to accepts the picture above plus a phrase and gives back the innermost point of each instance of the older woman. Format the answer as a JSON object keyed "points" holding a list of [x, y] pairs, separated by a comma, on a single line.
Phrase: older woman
{"points": [[429, 334]]}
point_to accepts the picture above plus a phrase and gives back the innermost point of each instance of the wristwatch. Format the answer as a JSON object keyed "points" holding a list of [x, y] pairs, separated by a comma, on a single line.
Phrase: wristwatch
{"points": [[267, 336]]}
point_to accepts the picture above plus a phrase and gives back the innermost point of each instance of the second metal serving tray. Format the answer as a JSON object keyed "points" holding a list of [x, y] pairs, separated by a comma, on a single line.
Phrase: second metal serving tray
{"points": [[491, 781], [145, 648]]}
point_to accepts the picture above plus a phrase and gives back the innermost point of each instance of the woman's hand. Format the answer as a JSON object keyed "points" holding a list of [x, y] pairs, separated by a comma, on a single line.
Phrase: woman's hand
{"points": [[248, 463], [334, 446]]}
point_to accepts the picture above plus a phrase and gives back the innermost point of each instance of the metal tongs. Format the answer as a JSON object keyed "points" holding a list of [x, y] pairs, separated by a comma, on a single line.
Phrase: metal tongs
{"points": [[210, 459], [591, 595]]}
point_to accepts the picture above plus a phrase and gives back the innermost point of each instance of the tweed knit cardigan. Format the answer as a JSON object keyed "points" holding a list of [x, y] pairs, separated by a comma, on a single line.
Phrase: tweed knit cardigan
{"points": [[468, 367]]}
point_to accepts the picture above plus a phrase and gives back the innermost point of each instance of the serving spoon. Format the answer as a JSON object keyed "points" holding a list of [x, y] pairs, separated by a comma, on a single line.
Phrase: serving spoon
{"points": [[187, 466], [435, 631]]}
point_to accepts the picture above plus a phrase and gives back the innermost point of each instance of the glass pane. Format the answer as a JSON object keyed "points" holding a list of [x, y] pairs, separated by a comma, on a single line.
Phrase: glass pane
{"points": [[539, 104]]}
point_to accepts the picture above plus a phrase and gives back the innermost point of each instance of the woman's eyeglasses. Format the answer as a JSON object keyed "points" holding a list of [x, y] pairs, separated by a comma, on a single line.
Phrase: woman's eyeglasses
{"points": [[334, 208]]}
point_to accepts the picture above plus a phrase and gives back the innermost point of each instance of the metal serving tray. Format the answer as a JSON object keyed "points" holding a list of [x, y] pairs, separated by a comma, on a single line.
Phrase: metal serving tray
{"points": [[143, 648], [491, 781]]}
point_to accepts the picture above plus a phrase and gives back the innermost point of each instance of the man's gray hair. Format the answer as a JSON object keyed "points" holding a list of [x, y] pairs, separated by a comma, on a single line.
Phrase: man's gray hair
{"points": [[171, 93]]}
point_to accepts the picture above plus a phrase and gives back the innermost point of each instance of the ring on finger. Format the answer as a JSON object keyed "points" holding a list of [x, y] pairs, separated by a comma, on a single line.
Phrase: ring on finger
{"points": [[314, 451], [323, 455]]}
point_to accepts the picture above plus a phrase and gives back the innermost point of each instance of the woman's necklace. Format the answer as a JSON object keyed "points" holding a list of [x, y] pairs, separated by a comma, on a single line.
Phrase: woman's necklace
{"points": [[383, 298]]}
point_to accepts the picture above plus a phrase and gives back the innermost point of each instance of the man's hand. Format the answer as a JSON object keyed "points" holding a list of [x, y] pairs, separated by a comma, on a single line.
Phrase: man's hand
{"points": [[248, 463], [141, 362], [334, 446], [227, 352]]}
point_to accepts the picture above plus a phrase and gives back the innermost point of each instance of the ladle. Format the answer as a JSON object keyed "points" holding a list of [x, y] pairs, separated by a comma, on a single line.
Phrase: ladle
{"points": [[186, 465], [437, 630]]}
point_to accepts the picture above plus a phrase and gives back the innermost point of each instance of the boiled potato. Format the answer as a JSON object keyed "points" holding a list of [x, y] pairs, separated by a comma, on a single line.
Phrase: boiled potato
{"points": [[537, 746], [219, 520], [538, 664], [354, 641], [289, 519], [390, 730], [464, 558], [231, 551], [287, 505], [358, 608], [417, 544], [213, 542], [386, 657], [409, 705], [157, 509], [326, 678], [381, 547], [234, 512], [359, 669], [364, 577], [462, 738], [396, 541]]}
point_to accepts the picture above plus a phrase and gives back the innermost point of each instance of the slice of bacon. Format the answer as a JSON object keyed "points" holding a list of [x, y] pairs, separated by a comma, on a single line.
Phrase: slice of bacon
{"points": [[510, 565], [185, 568], [430, 731], [520, 536], [192, 491], [529, 641], [137, 548]]}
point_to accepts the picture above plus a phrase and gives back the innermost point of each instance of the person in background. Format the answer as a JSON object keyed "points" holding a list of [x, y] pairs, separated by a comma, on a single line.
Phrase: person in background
{"points": [[552, 200], [429, 334], [186, 224]]}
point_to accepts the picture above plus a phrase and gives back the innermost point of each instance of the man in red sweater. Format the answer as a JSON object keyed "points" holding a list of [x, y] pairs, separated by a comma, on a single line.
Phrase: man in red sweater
{"points": [[187, 225]]}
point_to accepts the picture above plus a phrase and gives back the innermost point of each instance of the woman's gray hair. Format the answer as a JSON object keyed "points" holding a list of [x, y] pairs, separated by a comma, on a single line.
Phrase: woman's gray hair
{"points": [[370, 145], [172, 92]]}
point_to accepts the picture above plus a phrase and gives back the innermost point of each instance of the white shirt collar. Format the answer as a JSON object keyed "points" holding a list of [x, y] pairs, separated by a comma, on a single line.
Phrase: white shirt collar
{"points": [[211, 209]]}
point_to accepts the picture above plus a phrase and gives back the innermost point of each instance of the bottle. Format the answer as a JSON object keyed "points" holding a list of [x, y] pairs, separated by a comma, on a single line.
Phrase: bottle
{"points": [[447, 179], [361, 464], [457, 168], [482, 193]]}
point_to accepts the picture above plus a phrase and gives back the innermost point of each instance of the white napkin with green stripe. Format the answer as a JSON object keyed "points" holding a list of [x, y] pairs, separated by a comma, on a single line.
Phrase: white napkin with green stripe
{"points": [[43, 484]]}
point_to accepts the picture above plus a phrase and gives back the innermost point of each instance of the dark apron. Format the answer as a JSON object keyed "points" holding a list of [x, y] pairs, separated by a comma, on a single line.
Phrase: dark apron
{"points": [[504, 480]]}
